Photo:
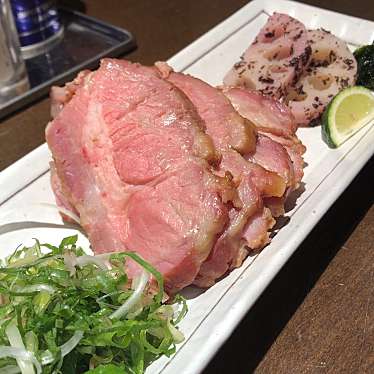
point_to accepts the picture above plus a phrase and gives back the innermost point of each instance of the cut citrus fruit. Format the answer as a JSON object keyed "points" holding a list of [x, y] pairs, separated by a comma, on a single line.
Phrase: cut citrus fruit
{"points": [[349, 111]]}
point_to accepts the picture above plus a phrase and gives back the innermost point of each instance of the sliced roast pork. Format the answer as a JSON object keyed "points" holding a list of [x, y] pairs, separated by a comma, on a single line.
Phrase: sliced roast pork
{"points": [[62, 95], [332, 68], [214, 108], [266, 113], [132, 160], [276, 58], [295, 149], [67, 210], [274, 120], [256, 229], [272, 156], [253, 181]]}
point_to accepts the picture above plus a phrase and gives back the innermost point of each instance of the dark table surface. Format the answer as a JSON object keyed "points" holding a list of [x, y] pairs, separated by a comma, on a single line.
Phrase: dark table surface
{"points": [[317, 316]]}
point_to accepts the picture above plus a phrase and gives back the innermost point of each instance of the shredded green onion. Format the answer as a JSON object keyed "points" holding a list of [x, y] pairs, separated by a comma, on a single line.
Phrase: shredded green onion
{"points": [[64, 311]]}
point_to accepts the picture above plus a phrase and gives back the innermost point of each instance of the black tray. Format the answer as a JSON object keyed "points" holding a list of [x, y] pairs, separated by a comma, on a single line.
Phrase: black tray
{"points": [[86, 40]]}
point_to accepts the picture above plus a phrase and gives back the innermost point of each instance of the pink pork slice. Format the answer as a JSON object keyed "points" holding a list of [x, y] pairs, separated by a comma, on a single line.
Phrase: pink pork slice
{"points": [[276, 58], [256, 230], [295, 150], [274, 120], [273, 156], [132, 159], [266, 113], [218, 114], [62, 95]]}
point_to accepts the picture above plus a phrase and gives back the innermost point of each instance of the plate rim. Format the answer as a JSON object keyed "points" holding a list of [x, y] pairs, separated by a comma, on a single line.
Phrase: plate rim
{"points": [[40, 155]]}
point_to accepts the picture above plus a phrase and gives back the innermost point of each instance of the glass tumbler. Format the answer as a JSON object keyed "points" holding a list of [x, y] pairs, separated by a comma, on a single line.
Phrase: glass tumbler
{"points": [[13, 76]]}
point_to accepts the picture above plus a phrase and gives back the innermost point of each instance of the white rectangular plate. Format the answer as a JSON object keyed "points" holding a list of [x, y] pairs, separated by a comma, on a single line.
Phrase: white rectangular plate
{"points": [[214, 314]]}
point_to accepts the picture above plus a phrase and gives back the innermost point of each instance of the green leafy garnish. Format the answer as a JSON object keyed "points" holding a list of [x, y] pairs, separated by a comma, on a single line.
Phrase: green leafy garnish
{"points": [[62, 311], [365, 66], [106, 369]]}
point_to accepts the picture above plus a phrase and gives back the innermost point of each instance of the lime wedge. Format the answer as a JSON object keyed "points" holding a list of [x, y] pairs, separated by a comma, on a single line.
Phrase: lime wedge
{"points": [[349, 111]]}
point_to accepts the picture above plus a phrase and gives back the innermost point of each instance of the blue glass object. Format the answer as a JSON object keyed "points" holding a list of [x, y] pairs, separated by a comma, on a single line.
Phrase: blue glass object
{"points": [[36, 20]]}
